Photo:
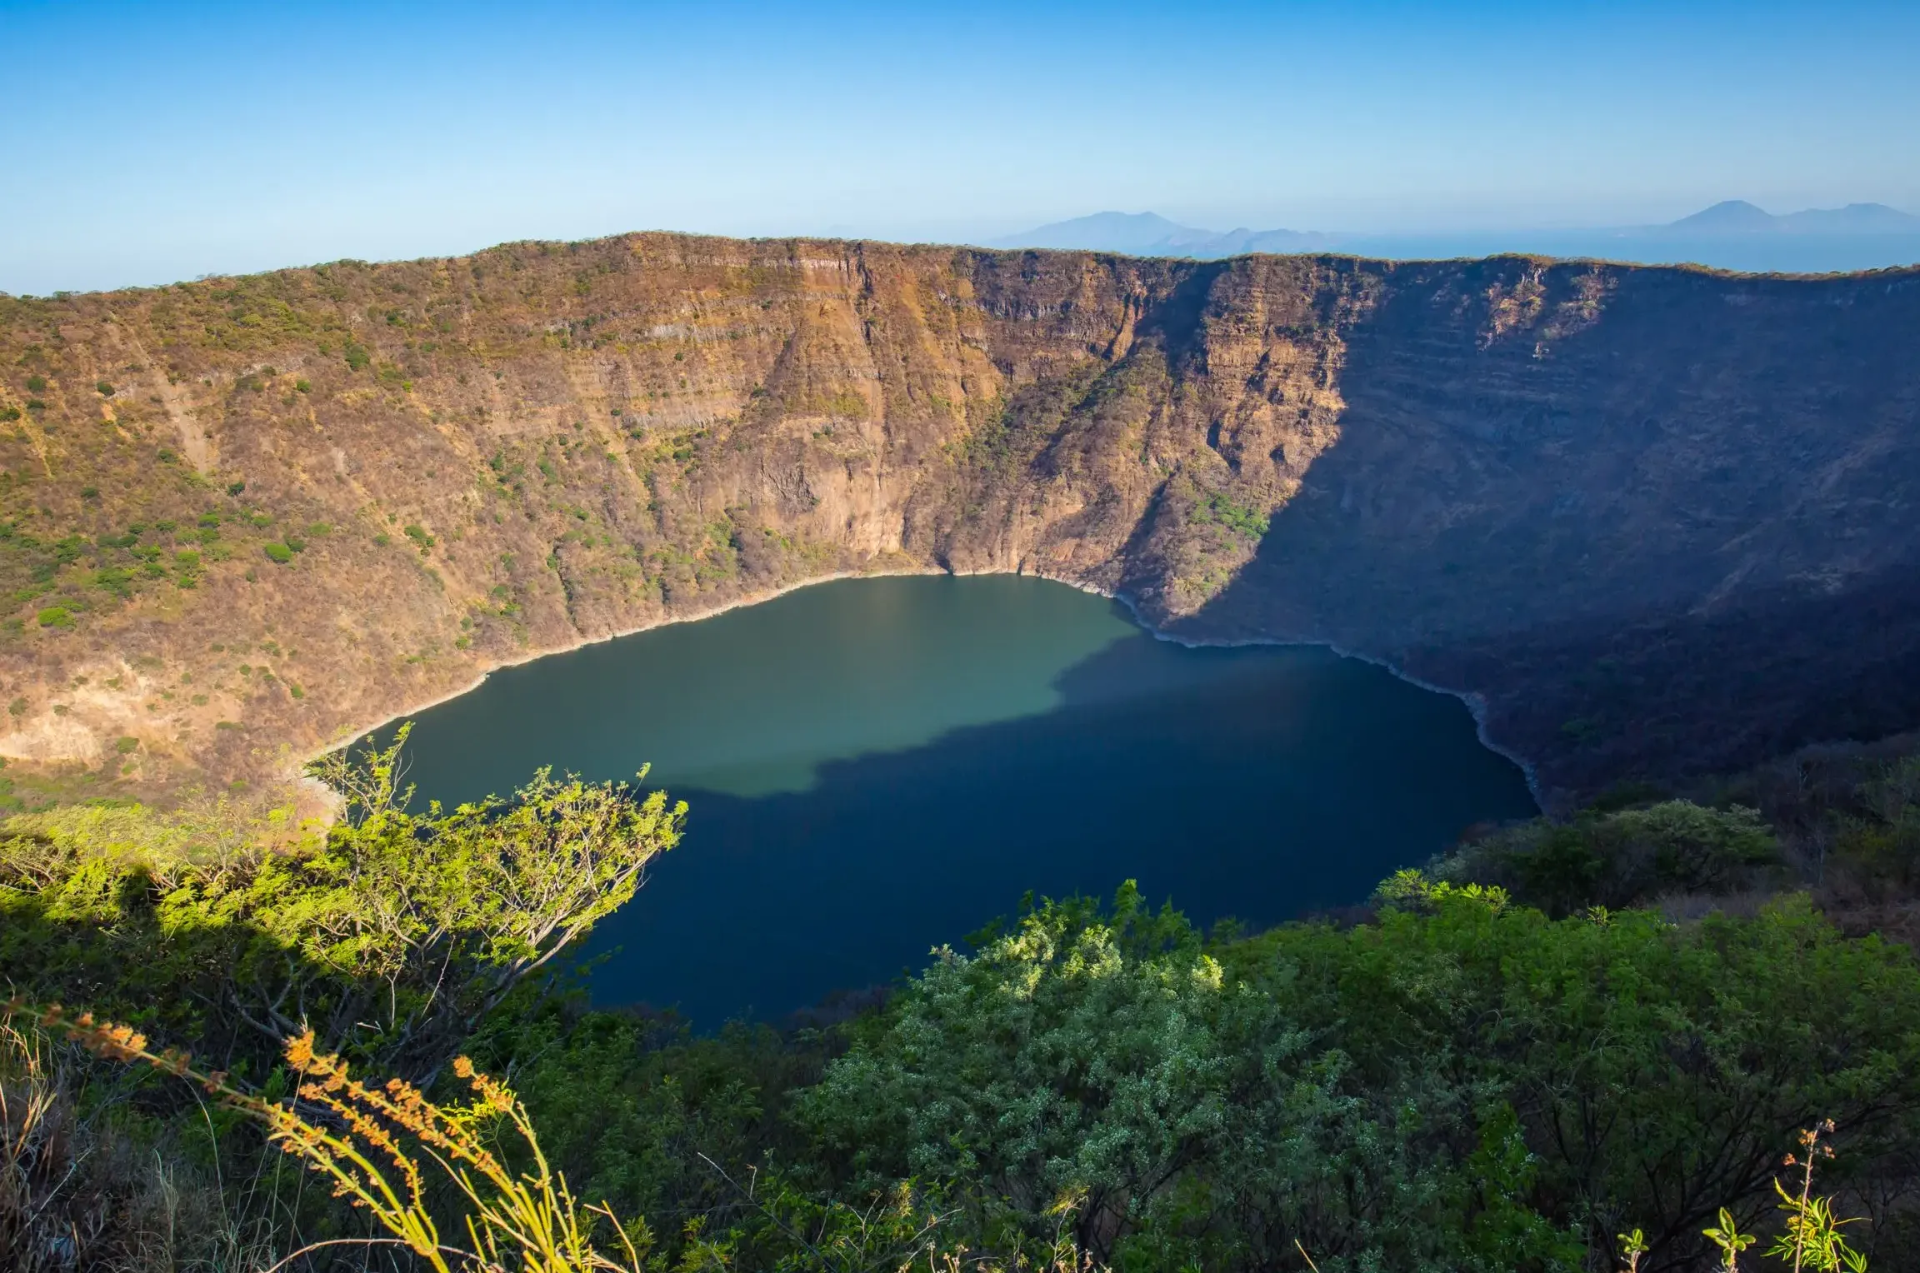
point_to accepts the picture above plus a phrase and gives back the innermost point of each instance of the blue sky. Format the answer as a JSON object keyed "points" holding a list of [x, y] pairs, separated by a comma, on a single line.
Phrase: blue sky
{"points": [[152, 142]]}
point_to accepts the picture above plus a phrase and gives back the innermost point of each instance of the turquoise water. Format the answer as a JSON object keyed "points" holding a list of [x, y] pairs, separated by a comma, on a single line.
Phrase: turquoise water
{"points": [[879, 766]]}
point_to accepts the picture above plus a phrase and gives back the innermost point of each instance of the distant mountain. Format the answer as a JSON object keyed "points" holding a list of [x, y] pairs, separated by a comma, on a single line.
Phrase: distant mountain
{"points": [[1237, 242], [1734, 216], [1737, 216], [1149, 234], [1133, 232], [1855, 218], [1734, 235]]}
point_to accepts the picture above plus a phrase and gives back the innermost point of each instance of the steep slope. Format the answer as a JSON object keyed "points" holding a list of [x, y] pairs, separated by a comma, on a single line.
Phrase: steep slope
{"points": [[247, 517]]}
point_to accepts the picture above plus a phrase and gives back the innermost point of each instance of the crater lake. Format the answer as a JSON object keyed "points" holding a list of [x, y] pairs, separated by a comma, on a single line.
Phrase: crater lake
{"points": [[878, 767]]}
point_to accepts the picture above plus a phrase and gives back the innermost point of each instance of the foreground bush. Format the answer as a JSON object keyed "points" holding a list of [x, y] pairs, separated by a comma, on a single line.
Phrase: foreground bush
{"points": [[1460, 1083], [393, 935], [1472, 1087], [1463, 1086], [1622, 858]]}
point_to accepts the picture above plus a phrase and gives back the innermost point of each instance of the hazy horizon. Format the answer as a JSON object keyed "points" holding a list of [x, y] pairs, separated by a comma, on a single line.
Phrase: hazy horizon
{"points": [[1804, 254], [153, 143]]}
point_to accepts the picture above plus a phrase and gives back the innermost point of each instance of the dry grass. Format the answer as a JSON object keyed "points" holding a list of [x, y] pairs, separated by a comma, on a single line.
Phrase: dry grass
{"points": [[77, 1194], [456, 1188]]}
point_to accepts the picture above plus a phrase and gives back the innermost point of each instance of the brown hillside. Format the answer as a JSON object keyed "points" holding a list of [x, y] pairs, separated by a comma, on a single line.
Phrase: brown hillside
{"points": [[1658, 519]]}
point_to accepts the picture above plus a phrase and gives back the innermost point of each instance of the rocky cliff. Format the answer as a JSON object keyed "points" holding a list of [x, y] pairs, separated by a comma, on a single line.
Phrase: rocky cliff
{"points": [[1657, 520]]}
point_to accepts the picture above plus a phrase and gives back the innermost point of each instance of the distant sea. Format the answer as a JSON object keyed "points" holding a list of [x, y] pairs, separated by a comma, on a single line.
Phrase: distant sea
{"points": [[1756, 253]]}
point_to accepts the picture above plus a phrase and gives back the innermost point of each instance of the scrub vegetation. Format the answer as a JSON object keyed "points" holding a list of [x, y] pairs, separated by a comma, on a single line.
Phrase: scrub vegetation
{"points": [[1651, 1036], [543, 444], [1665, 1029]]}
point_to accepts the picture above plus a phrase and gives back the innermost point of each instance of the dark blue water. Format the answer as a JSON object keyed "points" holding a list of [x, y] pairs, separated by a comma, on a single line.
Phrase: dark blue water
{"points": [[879, 766]]}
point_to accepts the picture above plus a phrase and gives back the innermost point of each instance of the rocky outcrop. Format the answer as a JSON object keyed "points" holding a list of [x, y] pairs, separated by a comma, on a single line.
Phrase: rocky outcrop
{"points": [[1653, 519]]}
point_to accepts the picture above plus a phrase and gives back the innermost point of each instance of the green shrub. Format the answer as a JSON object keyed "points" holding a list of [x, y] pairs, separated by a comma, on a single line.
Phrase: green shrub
{"points": [[56, 617], [1217, 508], [126, 745], [34, 404], [395, 930], [10, 414], [18, 707], [302, 386], [36, 384], [105, 390], [114, 579], [1464, 1085], [278, 552], [357, 357], [234, 488], [1625, 858], [89, 492], [1878, 841], [418, 534]]}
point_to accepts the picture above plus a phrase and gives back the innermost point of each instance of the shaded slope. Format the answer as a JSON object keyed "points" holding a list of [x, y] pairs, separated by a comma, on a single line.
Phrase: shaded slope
{"points": [[1478, 469]]}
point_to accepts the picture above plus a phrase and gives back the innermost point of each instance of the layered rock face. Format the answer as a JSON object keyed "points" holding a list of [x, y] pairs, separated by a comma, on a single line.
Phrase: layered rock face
{"points": [[1655, 519]]}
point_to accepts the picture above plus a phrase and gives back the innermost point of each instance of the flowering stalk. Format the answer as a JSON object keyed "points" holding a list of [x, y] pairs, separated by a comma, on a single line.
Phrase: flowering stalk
{"points": [[529, 1220]]}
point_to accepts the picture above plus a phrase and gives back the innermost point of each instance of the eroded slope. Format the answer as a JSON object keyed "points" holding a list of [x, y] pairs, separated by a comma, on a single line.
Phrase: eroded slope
{"points": [[247, 517]]}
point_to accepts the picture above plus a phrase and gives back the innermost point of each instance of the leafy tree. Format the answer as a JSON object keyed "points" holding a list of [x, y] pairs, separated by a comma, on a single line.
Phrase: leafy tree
{"points": [[392, 936], [1880, 841], [1465, 1084], [1111, 1065], [1052, 1065], [1623, 858], [1655, 1070]]}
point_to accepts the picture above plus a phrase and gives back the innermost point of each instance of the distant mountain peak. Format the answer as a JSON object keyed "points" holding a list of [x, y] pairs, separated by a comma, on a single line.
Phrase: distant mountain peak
{"points": [[1150, 234], [1131, 232], [1733, 234], [1855, 218], [1737, 216], [1729, 214]]}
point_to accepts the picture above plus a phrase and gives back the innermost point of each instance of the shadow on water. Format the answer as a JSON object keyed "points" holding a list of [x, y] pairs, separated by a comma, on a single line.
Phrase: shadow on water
{"points": [[879, 766], [1252, 783]]}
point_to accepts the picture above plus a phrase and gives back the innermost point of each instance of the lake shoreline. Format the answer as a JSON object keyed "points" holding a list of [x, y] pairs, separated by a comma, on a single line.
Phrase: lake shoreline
{"points": [[1474, 703], [876, 766]]}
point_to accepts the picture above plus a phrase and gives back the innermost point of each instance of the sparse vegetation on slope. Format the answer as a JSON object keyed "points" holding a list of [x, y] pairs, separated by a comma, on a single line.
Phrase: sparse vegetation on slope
{"points": [[1436, 464]]}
